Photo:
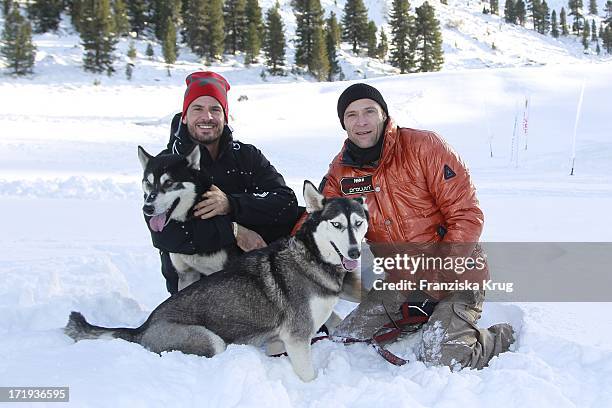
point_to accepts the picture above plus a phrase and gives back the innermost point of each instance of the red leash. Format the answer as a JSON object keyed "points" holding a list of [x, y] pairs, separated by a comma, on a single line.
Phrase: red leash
{"points": [[414, 315]]}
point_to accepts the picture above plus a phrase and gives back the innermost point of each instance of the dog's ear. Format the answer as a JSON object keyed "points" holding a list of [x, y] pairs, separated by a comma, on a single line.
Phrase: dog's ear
{"points": [[361, 200], [143, 156], [314, 199], [193, 158]]}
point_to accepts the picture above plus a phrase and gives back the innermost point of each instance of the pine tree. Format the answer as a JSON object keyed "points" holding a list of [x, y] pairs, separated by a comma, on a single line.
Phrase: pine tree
{"points": [[131, 50], [535, 11], [598, 49], [162, 9], [204, 32], [383, 46], [169, 44], [75, 8], [509, 12], [26, 49], [520, 12], [236, 26], [402, 31], [586, 34], [122, 24], [309, 16], [371, 42], [575, 10], [563, 22], [137, 14], [330, 43], [6, 7], [45, 14], [253, 45], [355, 24], [196, 26], [495, 7], [608, 11], [150, 53], [254, 16], [607, 39], [17, 46], [310, 49], [545, 27], [593, 31], [429, 39], [215, 29], [319, 62], [97, 36], [555, 28], [333, 27], [593, 7], [274, 44]]}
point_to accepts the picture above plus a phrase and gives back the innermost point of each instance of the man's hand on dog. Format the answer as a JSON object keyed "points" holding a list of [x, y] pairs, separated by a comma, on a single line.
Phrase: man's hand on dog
{"points": [[215, 202], [248, 240]]}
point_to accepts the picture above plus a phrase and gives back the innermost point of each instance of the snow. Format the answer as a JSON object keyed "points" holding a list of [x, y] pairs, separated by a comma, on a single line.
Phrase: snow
{"points": [[73, 236], [468, 37]]}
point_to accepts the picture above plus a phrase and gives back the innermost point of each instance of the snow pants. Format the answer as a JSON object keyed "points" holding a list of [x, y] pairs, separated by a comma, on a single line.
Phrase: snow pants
{"points": [[449, 338]]}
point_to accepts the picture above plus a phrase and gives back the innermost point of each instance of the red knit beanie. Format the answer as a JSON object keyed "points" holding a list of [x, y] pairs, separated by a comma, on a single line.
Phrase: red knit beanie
{"points": [[206, 83]]}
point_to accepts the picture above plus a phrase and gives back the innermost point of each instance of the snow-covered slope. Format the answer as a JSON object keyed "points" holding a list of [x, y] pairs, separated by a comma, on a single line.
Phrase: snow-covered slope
{"points": [[468, 39]]}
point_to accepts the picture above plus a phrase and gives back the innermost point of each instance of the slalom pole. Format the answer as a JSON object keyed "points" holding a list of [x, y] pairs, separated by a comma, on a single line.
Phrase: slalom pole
{"points": [[578, 110], [526, 119], [489, 132], [514, 140]]}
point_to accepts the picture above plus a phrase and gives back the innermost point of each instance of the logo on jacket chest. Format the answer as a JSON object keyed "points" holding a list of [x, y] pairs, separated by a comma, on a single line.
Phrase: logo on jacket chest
{"points": [[356, 185]]}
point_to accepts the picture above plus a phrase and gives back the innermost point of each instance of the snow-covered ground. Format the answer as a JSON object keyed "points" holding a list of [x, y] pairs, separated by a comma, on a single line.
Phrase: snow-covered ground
{"points": [[73, 237]]}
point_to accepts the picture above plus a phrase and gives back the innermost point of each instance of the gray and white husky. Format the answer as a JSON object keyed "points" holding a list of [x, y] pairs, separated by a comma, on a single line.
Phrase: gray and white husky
{"points": [[172, 184], [281, 293]]}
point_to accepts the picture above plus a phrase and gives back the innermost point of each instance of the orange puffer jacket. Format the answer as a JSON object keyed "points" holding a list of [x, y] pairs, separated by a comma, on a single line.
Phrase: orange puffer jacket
{"points": [[420, 192], [408, 196]]}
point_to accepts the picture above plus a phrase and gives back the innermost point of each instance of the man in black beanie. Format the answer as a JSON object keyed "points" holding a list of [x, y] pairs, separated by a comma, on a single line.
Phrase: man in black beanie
{"points": [[418, 191]]}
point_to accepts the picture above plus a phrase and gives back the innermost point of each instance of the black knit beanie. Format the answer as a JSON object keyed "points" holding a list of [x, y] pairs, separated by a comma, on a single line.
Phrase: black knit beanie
{"points": [[359, 91]]}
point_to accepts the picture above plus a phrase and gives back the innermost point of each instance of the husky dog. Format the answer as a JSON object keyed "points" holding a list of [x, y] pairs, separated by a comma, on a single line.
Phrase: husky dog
{"points": [[172, 184], [281, 293]]}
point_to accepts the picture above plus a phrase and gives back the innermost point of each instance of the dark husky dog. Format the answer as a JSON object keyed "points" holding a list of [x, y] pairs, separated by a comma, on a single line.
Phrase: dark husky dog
{"points": [[281, 293], [172, 184]]}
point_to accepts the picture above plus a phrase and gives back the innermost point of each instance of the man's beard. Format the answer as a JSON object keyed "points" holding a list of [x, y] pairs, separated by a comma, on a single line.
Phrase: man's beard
{"points": [[205, 140]]}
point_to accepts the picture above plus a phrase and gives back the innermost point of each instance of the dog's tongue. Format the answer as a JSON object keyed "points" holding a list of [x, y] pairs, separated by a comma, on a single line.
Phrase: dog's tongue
{"points": [[350, 264], [157, 222]]}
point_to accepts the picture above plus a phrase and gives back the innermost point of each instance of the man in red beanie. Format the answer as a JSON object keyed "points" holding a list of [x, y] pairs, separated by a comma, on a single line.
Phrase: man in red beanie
{"points": [[249, 202], [205, 110]]}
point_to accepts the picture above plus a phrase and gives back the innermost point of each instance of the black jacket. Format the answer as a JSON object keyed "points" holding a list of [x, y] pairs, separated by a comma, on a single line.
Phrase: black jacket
{"points": [[259, 198]]}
